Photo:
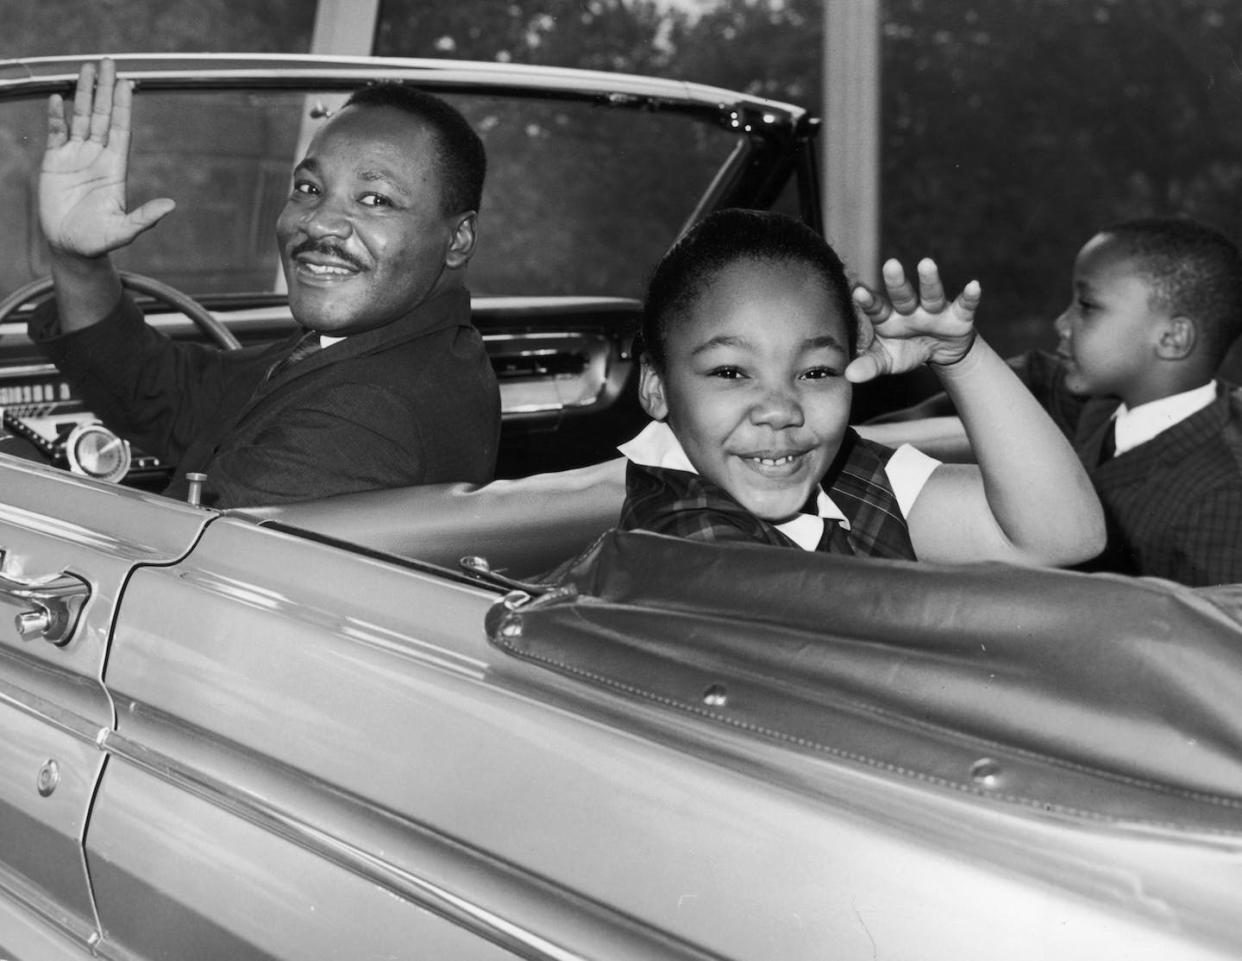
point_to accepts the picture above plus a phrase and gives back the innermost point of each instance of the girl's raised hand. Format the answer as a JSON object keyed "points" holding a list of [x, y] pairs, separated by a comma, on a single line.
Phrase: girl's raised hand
{"points": [[912, 328]]}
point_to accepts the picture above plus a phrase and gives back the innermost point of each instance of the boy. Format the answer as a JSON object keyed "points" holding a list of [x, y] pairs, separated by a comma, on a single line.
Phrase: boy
{"points": [[1156, 304]]}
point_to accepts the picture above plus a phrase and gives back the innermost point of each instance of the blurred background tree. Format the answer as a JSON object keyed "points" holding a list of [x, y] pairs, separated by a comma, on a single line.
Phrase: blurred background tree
{"points": [[68, 27], [1011, 129]]}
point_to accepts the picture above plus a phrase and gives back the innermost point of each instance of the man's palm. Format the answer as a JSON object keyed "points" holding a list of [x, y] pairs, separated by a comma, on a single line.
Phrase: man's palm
{"points": [[82, 192], [82, 199]]}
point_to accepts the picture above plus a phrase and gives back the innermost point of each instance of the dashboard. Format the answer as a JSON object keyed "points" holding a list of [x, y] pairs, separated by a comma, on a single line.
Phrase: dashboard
{"points": [[564, 365]]}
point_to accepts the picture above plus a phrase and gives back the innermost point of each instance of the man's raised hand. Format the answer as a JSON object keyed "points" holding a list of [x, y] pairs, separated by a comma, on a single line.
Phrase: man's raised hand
{"points": [[82, 183]]}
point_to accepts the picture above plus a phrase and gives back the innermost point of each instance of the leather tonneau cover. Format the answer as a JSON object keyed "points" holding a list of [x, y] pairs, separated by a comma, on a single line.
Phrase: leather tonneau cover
{"points": [[1109, 696]]}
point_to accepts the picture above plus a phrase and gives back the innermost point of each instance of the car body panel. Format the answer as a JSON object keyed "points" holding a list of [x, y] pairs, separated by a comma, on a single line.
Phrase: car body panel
{"points": [[363, 770], [317, 747], [1117, 756], [53, 704], [409, 753]]}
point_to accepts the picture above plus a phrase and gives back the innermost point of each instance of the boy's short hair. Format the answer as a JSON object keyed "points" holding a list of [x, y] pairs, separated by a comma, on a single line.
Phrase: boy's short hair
{"points": [[461, 161], [722, 239], [1193, 270]]}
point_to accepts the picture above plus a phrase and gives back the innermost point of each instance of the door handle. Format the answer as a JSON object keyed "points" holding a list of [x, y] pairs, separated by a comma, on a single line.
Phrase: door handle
{"points": [[53, 604]]}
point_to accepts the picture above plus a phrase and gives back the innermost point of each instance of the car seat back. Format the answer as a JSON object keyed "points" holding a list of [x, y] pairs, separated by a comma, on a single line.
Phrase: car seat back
{"points": [[522, 527]]}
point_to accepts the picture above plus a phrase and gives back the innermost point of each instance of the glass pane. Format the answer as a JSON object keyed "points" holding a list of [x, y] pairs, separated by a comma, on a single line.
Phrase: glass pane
{"points": [[580, 199], [224, 157], [583, 199]]}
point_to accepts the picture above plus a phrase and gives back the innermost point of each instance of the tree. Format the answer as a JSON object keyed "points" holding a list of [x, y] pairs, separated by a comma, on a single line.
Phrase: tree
{"points": [[72, 27], [1013, 131], [636, 36]]}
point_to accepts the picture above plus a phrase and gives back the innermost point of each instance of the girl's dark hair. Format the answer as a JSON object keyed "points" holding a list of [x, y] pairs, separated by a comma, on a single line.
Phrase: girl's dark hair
{"points": [[720, 240]]}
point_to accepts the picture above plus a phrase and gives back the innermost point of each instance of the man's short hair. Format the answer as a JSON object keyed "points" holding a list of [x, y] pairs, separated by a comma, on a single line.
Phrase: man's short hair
{"points": [[1192, 269], [461, 159]]}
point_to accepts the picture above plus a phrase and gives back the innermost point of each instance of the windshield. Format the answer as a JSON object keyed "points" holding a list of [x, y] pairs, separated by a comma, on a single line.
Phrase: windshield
{"points": [[580, 199]]}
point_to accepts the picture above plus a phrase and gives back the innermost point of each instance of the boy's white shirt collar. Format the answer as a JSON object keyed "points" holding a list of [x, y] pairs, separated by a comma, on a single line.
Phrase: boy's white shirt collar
{"points": [[657, 446], [1138, 426]]}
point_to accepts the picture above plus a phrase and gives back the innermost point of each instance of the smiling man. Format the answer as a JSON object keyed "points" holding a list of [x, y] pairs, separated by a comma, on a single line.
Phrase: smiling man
{"points": [[387, 384]]}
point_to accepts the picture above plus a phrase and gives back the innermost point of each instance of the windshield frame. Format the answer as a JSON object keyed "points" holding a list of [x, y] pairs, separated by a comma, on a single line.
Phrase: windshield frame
{"points": [[772, 150]]}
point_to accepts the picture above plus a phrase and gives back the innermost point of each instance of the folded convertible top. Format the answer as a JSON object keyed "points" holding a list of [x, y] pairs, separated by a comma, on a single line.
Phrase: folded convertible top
{"points": [[1082, 694]]}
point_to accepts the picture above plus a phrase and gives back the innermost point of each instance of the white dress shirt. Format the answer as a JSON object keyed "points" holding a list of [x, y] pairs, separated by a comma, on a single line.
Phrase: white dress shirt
{"points": [[907, 471], [1138, 426]]}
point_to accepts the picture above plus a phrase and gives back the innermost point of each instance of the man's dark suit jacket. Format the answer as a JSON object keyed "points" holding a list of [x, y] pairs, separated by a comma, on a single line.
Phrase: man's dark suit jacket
{"points": [[1174, 503], [413, 402]]}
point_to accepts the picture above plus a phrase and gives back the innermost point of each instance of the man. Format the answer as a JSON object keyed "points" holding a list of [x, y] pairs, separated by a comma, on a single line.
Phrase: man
{"points": [[387, 385]]}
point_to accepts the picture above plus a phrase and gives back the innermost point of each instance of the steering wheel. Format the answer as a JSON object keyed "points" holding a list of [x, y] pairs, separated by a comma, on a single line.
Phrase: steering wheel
{"points": [[207, 323], [92, 449]]}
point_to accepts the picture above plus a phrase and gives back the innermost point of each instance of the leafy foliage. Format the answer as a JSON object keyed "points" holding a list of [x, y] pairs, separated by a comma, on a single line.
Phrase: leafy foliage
{"points": [[72, 27], [1011, 129], [1014, 131]]}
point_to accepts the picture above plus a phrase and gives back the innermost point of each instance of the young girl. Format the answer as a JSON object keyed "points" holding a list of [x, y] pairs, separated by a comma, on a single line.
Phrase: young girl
{"points": [[751, 347]]}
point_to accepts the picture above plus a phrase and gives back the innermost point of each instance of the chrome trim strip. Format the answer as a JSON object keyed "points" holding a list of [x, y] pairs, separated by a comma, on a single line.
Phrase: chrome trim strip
{"points": [[520, 409], [41, 75], [27, 370], [45, 712], [33, 902], [484, 307], [571, 335], [554, 303], [410, 887]]}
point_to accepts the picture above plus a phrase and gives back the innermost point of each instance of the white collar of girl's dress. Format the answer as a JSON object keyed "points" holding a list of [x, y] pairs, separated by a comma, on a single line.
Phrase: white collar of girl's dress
{"points": [[658, 446]]}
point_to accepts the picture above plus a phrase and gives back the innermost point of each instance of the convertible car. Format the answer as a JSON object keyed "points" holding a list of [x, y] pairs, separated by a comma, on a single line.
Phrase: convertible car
{"points": [[377, 727]]}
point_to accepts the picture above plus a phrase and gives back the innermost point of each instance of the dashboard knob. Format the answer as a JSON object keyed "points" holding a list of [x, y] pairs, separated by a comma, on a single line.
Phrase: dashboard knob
{"points": [[94, 451]]}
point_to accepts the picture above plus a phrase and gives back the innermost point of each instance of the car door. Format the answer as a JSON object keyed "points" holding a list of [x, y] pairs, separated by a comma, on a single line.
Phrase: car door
{"points": [[322, 752], [315, 757], [251, 803], [67, 545]]}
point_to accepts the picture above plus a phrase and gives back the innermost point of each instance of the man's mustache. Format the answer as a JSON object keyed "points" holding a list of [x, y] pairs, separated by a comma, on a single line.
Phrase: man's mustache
{"points": [[326, 250]]}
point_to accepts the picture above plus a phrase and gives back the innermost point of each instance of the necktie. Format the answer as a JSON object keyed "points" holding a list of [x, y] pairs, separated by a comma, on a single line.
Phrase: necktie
{"points": [[307, 344], [833, 540], [1108, 446]]}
